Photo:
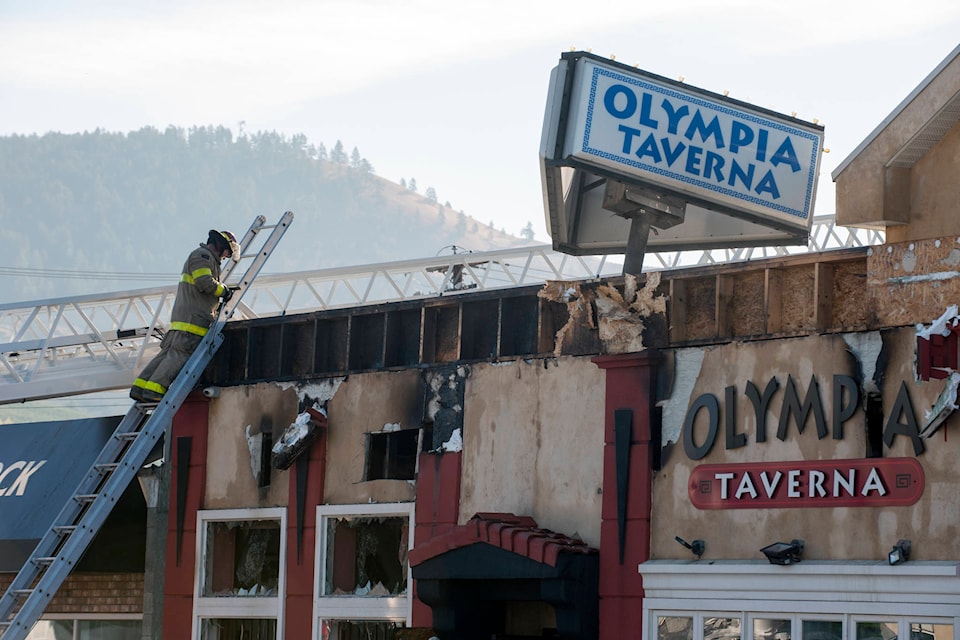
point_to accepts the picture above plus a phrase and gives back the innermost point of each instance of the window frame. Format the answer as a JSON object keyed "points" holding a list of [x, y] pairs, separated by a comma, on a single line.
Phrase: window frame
{"points": [[389, 462], [208, 607], [75, 618], [359, 608], [808, 591]]}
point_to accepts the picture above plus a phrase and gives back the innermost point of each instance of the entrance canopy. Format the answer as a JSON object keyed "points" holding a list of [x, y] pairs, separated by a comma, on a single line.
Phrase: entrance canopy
{"points": [[470, 575]]}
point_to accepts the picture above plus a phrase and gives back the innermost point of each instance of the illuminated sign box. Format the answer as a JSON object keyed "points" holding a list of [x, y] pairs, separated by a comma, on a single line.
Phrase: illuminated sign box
{"points": [[712, 171]]}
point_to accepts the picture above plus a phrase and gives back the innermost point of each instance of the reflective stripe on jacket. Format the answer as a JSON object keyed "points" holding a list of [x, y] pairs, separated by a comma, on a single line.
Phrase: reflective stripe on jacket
{"points": [[198, 293]]}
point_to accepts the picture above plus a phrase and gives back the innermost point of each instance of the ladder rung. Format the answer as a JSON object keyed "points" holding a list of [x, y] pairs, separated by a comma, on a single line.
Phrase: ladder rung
{"points": [[126, 450]]}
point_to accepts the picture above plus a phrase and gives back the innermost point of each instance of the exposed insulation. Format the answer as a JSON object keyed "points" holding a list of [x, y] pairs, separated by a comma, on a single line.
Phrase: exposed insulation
{"points": [[580, 325], [621, 318]]}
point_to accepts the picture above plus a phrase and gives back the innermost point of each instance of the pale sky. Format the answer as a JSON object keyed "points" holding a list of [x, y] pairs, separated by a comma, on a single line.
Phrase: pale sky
{"points": [[450, 93]]}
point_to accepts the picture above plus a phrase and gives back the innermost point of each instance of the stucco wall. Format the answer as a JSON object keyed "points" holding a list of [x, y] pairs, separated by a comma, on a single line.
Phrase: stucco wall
{"points": [[934, 193], [533, 443], [865, 533], [231, 482], [365, 403], [919, 201]]}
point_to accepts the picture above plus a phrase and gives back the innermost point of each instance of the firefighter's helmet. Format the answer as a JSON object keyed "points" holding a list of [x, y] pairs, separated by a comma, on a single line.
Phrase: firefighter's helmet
{"points": [[229, 240]]}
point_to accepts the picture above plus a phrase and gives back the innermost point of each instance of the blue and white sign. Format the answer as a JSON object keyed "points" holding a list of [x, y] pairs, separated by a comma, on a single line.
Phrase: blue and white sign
{"points": [[709, 150], [41, 465]]}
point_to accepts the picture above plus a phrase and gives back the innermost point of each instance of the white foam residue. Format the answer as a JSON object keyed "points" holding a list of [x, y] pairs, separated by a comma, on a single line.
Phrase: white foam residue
{"points": [[455, 443], [941, 326], [686, 372]]}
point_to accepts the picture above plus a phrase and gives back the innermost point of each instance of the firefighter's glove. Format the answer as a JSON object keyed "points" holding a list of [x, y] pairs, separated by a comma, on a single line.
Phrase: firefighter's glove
{"points": [[227, 294]]}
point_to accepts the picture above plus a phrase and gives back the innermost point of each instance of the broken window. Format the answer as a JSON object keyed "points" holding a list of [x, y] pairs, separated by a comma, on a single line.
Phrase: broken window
{"points": [[240, 577], [363, 572], [366, 556], [392, 454], [242, 558], [238, 629], [358, 630]]}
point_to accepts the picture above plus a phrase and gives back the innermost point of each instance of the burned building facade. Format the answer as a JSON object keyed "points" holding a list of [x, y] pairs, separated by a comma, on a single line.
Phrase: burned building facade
{"points": [[540, 461]]}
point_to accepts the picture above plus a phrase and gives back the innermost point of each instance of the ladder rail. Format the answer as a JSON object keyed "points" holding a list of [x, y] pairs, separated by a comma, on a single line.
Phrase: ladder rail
{"points": [[118, 462]]}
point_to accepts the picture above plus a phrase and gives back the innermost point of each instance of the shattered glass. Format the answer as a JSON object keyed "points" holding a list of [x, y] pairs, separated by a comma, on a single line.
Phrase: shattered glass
{"points": [[366, 556], [242, 558]]}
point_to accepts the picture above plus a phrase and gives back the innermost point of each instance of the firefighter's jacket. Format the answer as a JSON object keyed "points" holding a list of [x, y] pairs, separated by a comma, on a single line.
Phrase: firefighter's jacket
{"points": [[198, 293]]}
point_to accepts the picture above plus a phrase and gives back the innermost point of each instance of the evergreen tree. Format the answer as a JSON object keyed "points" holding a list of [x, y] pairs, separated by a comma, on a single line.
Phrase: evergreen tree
{"points": [[413, 185], [527, 232], [355, 158], [431, 194], [338, 155], [82, 188]]}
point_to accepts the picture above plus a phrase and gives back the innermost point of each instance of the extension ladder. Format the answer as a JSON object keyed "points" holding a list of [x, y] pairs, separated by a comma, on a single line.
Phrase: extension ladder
{"points": [[121, 458]]}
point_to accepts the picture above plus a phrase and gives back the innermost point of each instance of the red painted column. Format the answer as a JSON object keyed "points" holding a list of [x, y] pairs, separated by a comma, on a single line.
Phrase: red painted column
{"points": [[436, 511], [298, 607], [629, 385], [190, 421]]}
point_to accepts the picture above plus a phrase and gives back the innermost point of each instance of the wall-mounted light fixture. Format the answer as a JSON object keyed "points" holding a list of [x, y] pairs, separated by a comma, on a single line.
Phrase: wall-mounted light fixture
{"points": [[900, 552], [697, 546], [784, 552]]}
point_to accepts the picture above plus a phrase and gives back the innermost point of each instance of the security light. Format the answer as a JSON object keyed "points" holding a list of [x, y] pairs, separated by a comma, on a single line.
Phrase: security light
{"points": [[784, 553], [900, 552], [697, 546]]}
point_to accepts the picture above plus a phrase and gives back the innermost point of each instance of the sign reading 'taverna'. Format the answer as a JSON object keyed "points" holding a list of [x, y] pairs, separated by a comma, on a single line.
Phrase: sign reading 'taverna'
{"points": [[867, 482]]}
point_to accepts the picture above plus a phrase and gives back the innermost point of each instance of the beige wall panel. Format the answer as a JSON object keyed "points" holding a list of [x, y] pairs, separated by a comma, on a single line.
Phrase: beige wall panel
{"points": [[363, 404], [533, 443], [830, 533], [860, 187], [231, 482], [912, 282], [934, 193]]}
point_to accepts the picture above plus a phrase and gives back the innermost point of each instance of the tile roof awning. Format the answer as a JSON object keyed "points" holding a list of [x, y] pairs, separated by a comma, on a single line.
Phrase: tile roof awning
{"points": [[517, 534], [467, 574]]}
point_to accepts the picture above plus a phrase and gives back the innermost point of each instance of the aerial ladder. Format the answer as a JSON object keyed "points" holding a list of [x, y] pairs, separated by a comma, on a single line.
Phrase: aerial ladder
{"points": [[135, 437]]}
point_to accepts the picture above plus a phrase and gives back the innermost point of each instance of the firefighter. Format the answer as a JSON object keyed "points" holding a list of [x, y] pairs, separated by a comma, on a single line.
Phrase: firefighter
{"points": [[194, 310]]}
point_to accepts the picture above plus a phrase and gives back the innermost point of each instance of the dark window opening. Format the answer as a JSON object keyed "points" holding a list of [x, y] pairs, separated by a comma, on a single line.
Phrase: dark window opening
{"points": [[874, 413], [266, 456], [392, 454]]}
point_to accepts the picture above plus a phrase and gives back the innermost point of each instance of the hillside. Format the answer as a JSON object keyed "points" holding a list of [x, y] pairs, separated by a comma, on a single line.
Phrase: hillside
{"points": [[76, 207]]}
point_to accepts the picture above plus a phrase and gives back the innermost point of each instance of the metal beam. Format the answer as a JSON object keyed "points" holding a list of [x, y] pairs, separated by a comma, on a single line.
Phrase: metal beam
{"points": [[77, 345]]}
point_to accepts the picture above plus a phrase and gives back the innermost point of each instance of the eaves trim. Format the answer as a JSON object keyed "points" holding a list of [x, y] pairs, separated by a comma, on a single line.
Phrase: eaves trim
{"points": [[910, 148]]}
